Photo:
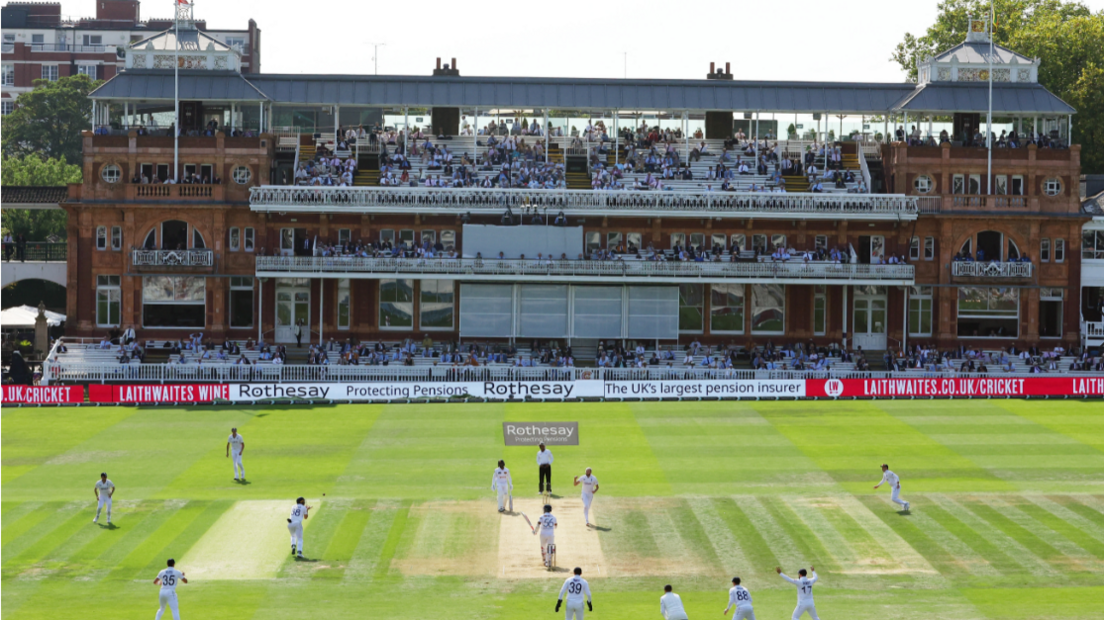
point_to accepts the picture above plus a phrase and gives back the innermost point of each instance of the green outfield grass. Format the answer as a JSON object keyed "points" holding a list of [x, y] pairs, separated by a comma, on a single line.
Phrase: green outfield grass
{"points": [[1007, 517]]}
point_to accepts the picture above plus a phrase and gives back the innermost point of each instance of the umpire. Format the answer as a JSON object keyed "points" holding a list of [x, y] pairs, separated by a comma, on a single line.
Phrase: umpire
{"points": [[544, 465]]}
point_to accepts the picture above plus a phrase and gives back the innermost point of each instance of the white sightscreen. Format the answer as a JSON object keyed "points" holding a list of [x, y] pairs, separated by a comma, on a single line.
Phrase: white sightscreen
{"points": [[597, 311], [486, 310], [653, 312], [542, 311], [513, 241]]}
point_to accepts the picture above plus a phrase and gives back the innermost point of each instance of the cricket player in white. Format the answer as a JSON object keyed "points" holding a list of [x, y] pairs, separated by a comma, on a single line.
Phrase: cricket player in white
{"points": [[894, 482], [235, 445], [804, 592], [503, 484], [740, 598], [577, 589], [546, 526], [299, 512], [167, 579], [104, 490], [670, 605], [590, 487]]}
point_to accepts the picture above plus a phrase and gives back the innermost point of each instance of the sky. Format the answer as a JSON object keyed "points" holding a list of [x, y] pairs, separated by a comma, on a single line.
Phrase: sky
{"points": [[802, 40]]}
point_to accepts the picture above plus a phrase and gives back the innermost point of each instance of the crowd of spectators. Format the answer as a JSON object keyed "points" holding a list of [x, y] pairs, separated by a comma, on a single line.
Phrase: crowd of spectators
{"points": [[967, 360], [1006, 139]]}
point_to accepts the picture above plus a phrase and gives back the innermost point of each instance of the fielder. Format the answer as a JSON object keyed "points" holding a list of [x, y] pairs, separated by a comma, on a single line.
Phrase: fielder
{"points": [[104, 489], [504, 485], [575, 587], [236, 444], [590, 487], [804, 592], [894, 482], [168, 579], [740, 598], [299, 512], [546, 526], [670, 605]]}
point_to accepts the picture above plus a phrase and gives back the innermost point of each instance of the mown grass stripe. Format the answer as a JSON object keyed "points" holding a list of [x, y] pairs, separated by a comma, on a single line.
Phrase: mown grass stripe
{"points": [[52, 516], [44, 545], [69, 557], [630, 532], [807, 540], [808, 512], [760, 561], [1063, 544], [941, 549], [779, 542], [179, 545], [108, 551], [29, 515], [366, 557], [344, 542], [9, 508], [394, 536], [1010, 547], [151, 546], [1030, 539], [677, 533], [882, 536], [1090, 506], [934, 519], [728, 551], [1063, 514], [316, 538]]}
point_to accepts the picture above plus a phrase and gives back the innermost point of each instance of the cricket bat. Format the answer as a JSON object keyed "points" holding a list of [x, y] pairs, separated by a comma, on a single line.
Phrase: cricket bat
{"points": [[529, 522], [511, 502]]}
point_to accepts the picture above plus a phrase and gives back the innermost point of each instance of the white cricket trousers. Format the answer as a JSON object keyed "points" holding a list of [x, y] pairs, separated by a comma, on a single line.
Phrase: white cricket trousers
{"points": [[743, 613], [168, 599], [547, 541], [896, 496], [574, 611], [803, 608], [238, 465], [502, 495], [296, 530], [587, 499], [105, 500]]}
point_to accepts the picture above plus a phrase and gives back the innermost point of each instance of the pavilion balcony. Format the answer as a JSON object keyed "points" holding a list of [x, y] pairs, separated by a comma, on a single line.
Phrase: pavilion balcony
{"points": [[457, 201], [565, 270], [991, 270], [183, 192], [172, 258]]}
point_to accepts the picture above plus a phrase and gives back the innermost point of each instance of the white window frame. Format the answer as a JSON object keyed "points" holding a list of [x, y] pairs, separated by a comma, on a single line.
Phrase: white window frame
{"points": [[116, 238], [113, 292], [242, 283], [958, 184], [7, 106], [914, 249], [1000, 184], [50, 72], [1012, 187], [929, 248], [820, 295], [923, 184], [344, 236], [249, 239], [101, 238], [7, 74], [1044, 250], [920, 294], [242, 175], [744, 302], [89, 70], [344, 323], [1052, 187], [1053, 294], [235, 239], [975, 181], [113, 168], [1059, 250]]}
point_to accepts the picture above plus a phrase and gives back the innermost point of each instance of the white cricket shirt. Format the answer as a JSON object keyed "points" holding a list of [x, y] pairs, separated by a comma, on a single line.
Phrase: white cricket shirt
{"points": [[891, 479], [104, 486], [588, 483], [169, 578], [804, 588], [545, 457], [237, 442], [298, 513], [576, 588], [547, 524], [670, 605], [739, 596], [501, 480]]}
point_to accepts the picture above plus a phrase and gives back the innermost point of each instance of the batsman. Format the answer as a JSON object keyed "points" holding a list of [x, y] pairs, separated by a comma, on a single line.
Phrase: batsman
{"points": [[504, 485]]}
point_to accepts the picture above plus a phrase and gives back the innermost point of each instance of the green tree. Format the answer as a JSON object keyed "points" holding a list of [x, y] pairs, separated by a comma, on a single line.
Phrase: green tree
{"points": [[37, 225], [1065, 36], [49, 119]]}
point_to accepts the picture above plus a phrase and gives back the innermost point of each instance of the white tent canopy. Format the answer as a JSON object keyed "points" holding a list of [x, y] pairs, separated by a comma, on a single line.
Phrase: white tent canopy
{"points": [[23, 317]]}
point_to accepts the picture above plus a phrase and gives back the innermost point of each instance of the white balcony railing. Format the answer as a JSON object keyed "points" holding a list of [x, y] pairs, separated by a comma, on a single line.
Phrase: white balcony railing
{"points": [[541, 270], [172, 258], [991, 270], [580, 202]]}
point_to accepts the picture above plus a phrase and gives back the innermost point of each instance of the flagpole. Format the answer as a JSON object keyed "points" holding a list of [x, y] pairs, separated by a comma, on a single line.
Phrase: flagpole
{"points": [[989, 119], [176, 94]]}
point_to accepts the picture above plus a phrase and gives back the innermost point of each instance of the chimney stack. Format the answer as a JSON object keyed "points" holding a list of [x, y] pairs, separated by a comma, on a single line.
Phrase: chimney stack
{"points": [[455, 68], [438, 63], [714, 74], [712, 67], [727, 69], [446, 70]]}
